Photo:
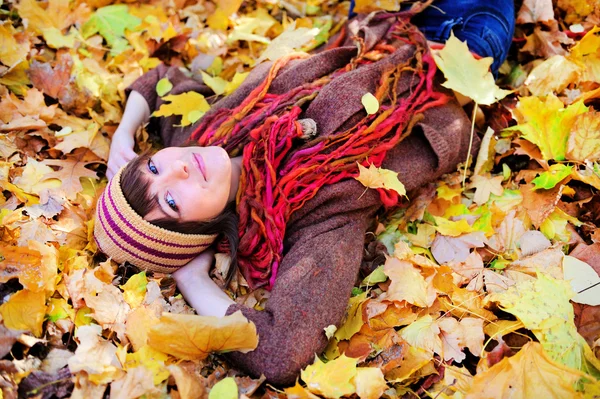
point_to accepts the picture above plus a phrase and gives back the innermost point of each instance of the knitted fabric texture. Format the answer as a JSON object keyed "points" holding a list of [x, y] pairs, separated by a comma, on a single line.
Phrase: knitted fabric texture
{"points": [[124, 235], [265, 128]]}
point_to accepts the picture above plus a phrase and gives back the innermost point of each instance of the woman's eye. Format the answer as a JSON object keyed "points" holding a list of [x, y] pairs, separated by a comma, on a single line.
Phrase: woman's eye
{"points": [[171, 202], [151, 167]]}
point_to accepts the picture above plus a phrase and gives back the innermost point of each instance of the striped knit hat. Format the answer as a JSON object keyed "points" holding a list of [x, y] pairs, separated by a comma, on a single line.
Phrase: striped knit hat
{"points": [[124, 235]]}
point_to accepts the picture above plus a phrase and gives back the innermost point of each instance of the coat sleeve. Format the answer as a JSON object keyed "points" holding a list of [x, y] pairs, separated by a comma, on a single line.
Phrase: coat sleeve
{"points": [[311, 292]]}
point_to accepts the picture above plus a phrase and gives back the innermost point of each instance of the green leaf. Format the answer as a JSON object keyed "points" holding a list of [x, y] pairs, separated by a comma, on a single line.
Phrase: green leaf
{"points": [[547, 123], [111, 22], [467, 75], [543, 306], [376, 276], [163, 86], [552, 177], [224, 389]]}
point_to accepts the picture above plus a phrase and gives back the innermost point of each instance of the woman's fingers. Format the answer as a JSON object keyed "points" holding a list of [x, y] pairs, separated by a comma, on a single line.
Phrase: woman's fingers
{"points": [[121, 152]]}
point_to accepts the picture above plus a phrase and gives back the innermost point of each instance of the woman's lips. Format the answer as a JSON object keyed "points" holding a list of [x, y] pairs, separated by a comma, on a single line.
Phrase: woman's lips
{"points": [[200, 165]]}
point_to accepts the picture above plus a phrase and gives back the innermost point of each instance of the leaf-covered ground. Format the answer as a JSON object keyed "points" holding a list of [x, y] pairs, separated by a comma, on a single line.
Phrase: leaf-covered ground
{"points": [[489, 288]]}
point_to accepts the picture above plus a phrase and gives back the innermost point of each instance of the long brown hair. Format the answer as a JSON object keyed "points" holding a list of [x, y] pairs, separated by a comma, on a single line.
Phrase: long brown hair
{"points": [[136, 189]]}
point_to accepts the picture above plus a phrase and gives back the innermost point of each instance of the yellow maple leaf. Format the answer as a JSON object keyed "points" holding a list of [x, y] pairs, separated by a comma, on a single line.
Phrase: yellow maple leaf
{"points": [[134, 290], [526, 375], [25, 310], [585, 54], [193, 337], [467, 75], [370, 383], [380, 178], [190, 105], [419, 292], [332, 379]]}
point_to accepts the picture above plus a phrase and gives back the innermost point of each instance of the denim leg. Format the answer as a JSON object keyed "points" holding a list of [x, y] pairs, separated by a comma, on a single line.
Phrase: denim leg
{"points": [[487, 26]]}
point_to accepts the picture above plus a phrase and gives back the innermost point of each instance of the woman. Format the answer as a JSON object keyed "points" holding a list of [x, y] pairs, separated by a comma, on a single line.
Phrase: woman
{"points": [[302, 219]]}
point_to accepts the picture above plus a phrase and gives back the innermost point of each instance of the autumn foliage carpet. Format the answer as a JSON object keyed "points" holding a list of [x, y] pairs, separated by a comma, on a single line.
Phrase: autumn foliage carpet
{"points": [[504, 294]]}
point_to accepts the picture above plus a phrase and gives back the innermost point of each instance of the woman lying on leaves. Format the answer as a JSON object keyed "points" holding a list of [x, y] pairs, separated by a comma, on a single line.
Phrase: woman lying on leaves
{"points": [[269, 179]]}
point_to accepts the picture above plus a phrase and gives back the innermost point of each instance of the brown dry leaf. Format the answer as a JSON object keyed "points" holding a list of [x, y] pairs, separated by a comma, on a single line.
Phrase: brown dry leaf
{"points": [[533, 11], [545, 44], [552, 75], [70, 172], [539, 204], [192, 337], [526, 375], [8, 337], [587, 320], [189, 386]]}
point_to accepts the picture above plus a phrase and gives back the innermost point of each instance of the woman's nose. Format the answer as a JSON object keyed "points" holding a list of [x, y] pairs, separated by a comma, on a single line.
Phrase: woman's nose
{"points": [[179, 169]]}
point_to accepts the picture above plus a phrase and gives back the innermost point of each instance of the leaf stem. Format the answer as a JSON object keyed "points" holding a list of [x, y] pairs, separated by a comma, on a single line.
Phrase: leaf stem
{"points": [[470, 144]]}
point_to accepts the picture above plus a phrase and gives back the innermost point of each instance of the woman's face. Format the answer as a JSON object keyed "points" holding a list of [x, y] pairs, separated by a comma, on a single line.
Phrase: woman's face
{"points": [[190, 184]]}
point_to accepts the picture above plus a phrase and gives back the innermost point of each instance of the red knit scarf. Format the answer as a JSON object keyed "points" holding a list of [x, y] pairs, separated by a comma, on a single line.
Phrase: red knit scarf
{"points": [[277, 179]]}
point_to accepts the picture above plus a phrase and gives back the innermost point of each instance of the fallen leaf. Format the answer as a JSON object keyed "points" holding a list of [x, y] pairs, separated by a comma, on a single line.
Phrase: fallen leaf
{"points": [[224, 389], [374, 177], [25, 310], [370, 102], [134, 291], [533, 11], [332, 379], [370, 383], [111, 22], [525, 375], [366, 6], [455, 249], [163, 86], [584, 281], [550, 178], [136, 383], [485, 186], [467, 75], [188, 385], [543, 306], [419, 292], [547, 123], [94, 355], [584, 138], [354, 318], [423, 334], [190, 105], [192, 337], [289, 41]]}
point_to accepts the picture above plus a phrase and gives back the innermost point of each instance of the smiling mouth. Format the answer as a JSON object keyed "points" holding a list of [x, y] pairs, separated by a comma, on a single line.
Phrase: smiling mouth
{"points": [[200, 165]]}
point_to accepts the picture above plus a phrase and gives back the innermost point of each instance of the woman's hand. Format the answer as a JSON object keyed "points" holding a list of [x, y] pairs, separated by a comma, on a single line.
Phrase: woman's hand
{"points": [[199, 290], [137, 112], [121, 150]]}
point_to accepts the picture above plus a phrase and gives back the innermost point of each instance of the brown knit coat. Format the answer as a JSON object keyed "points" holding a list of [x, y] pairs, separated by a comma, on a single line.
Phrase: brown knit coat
{"points": [[323, 245]]}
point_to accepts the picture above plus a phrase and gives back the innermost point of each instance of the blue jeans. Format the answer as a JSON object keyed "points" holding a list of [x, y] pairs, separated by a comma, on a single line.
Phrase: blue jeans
{"points": [[486, 25]]}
